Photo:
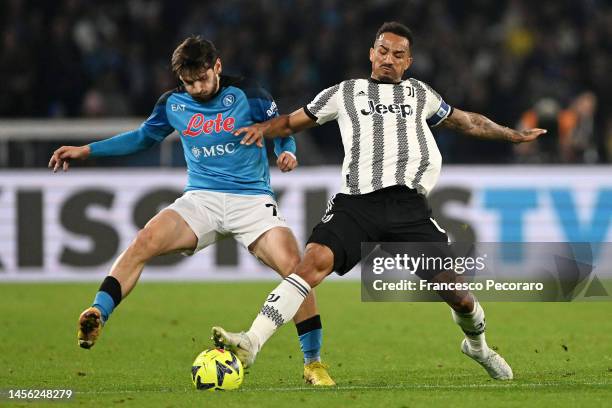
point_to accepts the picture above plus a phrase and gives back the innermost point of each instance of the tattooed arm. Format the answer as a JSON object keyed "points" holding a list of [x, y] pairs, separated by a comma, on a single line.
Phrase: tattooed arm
{"points": [[477, 125]]}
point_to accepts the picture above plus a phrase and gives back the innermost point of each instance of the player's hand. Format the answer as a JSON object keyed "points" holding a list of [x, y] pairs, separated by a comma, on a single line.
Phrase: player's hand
{"points": [[527, 135], [286, 162], [62, 156], [252, 134]]}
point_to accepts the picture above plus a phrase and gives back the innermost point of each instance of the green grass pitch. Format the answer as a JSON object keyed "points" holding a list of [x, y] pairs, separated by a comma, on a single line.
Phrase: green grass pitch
{"points": [[381, 354]]}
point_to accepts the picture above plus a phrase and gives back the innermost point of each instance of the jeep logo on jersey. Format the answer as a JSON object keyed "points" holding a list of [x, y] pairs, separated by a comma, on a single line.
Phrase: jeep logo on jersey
{"points": [[381, 109], [228, 99], [198, 124]]}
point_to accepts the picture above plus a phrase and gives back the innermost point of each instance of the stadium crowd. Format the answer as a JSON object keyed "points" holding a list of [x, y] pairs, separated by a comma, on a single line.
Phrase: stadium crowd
{"points": [[516, 61]]}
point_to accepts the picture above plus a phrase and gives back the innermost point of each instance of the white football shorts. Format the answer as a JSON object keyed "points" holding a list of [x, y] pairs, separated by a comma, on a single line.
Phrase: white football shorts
{"points": [[214, 216]]}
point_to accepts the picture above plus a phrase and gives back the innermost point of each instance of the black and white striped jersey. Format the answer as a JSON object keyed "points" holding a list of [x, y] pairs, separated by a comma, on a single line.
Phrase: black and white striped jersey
{"points": [[385, 132]]}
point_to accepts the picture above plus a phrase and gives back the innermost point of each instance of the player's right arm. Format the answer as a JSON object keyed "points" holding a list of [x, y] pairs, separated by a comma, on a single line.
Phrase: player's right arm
{"points": [[323, 108], [152, 131], [280, 126], [119, 145]]}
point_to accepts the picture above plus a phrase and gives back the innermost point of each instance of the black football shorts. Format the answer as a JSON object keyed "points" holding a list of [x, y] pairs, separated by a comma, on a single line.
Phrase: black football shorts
{"points": [[392, 214]]}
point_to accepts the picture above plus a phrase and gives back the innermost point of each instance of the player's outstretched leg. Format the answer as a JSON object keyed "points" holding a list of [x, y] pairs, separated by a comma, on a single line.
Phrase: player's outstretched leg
{"points": [[165, 233], [93, 318], [470, 317], [310, 335], [278, 249], [244, 346], [280, 306]]}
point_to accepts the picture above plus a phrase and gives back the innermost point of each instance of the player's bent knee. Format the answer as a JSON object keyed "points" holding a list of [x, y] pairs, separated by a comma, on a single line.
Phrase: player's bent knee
{"points": [[146, 245], [317, 264], [464, 304], [321, 257]]}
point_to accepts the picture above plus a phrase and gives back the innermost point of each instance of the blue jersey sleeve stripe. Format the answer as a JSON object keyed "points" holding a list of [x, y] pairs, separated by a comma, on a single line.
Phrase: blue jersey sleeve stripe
{"points": [[257, 93], [262, 109], [261, 102], [252, 89], [157, 125]]}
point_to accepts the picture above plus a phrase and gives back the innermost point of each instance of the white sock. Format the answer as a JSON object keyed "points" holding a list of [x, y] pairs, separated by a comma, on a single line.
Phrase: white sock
{"points": [[280, 307], [473, 325]]}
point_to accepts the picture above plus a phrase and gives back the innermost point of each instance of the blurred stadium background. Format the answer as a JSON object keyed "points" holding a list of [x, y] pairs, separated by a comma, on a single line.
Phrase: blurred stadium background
{"points": [[76, 71]]}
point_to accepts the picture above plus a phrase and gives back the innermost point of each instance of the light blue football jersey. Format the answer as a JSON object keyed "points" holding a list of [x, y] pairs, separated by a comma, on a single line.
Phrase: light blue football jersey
{"points": [[216, 160]]}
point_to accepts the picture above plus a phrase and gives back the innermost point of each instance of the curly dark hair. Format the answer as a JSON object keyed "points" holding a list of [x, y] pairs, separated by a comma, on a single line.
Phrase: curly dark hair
{"points": [[192, 55]]}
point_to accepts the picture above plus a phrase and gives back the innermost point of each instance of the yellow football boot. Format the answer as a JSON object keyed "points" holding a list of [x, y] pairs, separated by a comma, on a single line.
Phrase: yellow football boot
{"points": [[316, 374], [90, 327]]}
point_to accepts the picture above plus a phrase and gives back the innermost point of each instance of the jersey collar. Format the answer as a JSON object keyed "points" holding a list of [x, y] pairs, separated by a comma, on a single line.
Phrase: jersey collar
{"points": [[376, 81]]}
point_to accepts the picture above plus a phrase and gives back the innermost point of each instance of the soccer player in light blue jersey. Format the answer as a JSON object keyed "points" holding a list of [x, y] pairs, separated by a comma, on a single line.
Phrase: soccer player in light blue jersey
{"points": [[227, 193]]}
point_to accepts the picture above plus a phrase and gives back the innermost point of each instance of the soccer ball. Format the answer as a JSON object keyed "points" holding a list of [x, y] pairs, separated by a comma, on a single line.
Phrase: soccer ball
{"points": [[217, 370]]}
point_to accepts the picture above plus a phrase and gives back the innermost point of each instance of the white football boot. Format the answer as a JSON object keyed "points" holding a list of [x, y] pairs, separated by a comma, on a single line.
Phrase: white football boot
{"points": [[495, 364], [241, 344]]}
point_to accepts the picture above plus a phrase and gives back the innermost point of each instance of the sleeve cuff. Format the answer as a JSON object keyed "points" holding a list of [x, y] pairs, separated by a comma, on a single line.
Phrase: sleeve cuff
{"points": [[310, 114], [92, 149], [289, 153]]}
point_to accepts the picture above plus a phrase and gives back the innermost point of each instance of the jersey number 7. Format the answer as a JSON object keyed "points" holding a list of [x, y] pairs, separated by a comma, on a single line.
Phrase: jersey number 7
{"points": [[274, 211]]}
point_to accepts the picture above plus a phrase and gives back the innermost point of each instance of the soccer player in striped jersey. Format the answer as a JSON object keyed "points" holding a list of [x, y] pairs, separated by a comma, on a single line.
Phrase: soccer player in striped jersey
{"points": [[391, 163], [228, 189]]}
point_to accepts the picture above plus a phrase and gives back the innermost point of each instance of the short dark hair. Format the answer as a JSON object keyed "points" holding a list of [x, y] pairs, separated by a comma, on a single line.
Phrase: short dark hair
{"points": [[395, 28], [192, 55]]}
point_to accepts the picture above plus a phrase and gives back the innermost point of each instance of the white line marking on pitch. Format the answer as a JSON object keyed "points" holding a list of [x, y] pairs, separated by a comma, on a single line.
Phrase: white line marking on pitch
{"points": [[371, 387], [424, 386]]}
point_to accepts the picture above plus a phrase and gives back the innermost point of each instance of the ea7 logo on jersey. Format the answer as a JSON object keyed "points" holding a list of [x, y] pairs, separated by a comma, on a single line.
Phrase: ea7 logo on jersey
{"points": [[177, 108], [381, 109]]}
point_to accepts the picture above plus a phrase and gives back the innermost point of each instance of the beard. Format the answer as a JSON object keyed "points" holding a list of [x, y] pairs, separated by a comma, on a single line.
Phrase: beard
{"points": [[386, 76], [207, 97], [387, 79]]}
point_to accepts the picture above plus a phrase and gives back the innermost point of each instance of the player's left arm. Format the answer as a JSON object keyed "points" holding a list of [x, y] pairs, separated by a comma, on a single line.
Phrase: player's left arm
{"points": [[263, 108], [439, 113], [477, 125], [285, 150], [286, 160]]}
